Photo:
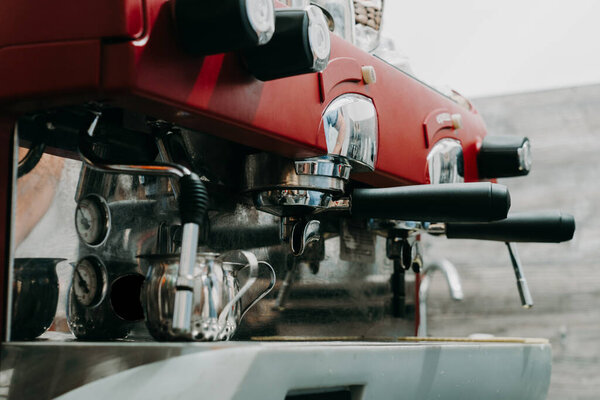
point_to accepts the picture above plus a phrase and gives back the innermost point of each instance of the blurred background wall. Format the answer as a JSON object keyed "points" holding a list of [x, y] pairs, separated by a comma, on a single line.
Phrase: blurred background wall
{"points": [[564, 128]]}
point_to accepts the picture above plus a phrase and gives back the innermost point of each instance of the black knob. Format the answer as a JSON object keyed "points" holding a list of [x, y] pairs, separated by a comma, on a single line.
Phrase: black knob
{"points": [[300, 45], [504, 156], [211, 27]]}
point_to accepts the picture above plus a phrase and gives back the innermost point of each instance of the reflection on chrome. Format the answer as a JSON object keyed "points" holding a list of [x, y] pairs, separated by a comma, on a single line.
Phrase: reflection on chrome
{"points": [[342, 13], [350, 124], [445, 162]]}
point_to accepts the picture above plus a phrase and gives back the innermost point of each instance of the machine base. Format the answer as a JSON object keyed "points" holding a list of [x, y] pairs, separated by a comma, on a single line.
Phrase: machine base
{"points": [[411, 369]]}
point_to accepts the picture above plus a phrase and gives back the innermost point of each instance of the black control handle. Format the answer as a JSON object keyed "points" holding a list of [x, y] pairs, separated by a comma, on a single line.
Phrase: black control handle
{"points": [[543, 227], [464, 202], [504, 156], [300, 45]]}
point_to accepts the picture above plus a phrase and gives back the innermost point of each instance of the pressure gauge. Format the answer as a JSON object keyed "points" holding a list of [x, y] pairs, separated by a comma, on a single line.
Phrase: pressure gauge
{"points": [[89, 281], [92, 219]]}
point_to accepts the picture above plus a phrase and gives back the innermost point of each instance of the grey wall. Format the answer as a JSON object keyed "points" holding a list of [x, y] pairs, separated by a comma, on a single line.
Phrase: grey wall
{"points": [[564, 129]]}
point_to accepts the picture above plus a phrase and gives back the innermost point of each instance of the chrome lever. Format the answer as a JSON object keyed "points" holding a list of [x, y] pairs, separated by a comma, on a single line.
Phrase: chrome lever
{"points": [[524, 293]]}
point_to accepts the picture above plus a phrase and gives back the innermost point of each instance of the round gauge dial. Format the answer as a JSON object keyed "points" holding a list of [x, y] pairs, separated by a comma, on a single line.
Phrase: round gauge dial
{"points": [[92, 219], [88, 282]]}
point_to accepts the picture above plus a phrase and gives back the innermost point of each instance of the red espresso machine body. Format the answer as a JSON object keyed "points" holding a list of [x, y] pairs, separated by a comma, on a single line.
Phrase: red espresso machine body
{"points": [[72, 58], [127, 54]]}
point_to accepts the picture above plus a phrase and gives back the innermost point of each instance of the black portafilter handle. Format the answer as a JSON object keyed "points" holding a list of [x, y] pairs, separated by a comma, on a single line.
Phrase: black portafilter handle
{"points": [[464, 202], [540, 227]]}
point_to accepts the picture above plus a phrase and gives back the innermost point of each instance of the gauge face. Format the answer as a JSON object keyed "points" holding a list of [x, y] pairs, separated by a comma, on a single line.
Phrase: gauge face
{"points": [[88, 282], [92, 220]]}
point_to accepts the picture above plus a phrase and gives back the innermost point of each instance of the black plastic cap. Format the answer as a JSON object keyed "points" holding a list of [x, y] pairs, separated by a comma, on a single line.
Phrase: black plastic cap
{"points": [[288, 53], [212, 27], [466, 202], [539, 227], [499, 202], [504, 156]]}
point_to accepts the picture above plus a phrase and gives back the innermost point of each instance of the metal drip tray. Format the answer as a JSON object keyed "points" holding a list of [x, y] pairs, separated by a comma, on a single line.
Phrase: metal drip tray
{"points": [[518, 369]]}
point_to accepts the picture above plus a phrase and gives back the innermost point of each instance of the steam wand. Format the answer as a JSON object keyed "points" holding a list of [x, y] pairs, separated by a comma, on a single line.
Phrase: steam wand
{"points": [[193, 201], [524, 293]]}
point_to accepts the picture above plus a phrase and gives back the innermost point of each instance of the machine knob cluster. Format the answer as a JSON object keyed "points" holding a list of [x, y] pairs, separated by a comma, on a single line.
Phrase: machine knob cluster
{"points": [[275, 43], [504, 156], [221, 26]]}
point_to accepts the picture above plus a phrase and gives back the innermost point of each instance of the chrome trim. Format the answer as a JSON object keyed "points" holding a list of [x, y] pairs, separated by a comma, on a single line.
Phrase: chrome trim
{"points": [[318, 37], [155, 169], [324, 166], [445, 162], [215, 308], [342, 12], [525, 158], [436, 228], [524, 293], [290, 188], [294, 202], [303, 234], [183, 302], [351, 130], [107, 223], [266, 172], [184, 295], [264, 27]]}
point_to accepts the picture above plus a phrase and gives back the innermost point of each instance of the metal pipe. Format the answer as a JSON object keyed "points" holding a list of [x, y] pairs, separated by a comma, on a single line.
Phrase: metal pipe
{"points": [[182, 311], [184, 294], [524, 293], [159, 169], [454, 285], [166, 158]]}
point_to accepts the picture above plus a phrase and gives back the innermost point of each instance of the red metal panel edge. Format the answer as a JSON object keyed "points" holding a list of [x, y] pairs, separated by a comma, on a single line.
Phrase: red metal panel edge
{"points": [[27, 22], [6, 179], [434, 123], [42, 70], [342, 69]]}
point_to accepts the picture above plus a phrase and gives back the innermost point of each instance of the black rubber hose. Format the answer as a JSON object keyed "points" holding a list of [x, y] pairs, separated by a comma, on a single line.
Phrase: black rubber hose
{"points": [[31, 159], [193, 196], [193, 199]]}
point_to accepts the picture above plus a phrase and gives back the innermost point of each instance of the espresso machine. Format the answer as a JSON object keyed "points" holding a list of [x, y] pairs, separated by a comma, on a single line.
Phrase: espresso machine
{"points": [[251, 172]]}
